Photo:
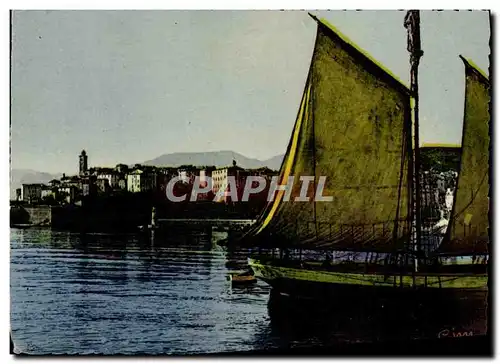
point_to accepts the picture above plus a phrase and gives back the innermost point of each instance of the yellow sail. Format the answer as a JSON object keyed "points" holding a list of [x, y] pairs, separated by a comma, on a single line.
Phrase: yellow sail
{"points": [[353, 129], [468, 228]]}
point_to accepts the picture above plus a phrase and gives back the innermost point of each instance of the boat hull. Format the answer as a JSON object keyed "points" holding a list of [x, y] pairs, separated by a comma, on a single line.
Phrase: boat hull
{"points": [[366, 314], [317, 283]]}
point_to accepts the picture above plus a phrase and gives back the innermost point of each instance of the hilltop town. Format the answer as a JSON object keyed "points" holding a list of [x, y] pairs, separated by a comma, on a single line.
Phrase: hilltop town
{"points": [[96, 182], [124, 197]]}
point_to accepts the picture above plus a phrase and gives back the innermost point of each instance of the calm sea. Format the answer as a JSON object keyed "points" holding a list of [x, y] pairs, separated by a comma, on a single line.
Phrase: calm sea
{"points": [[128, 294]]}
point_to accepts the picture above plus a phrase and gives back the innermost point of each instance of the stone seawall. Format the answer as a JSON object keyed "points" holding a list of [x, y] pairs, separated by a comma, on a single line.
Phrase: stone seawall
{"points": [[91, 218], [36, 215], [40, 215]]}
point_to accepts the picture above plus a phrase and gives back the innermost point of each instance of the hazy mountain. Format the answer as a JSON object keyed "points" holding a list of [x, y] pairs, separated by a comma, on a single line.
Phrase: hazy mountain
{"points": [[20, 176], [274, 162], [218, 159]]}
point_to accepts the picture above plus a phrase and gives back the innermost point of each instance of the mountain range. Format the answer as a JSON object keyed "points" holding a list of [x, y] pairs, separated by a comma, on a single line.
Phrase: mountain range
{"points": [[20, 176], [218, 159]]}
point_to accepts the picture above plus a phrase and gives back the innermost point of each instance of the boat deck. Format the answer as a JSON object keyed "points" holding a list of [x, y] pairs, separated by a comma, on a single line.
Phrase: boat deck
{"points": [[377, 268]]}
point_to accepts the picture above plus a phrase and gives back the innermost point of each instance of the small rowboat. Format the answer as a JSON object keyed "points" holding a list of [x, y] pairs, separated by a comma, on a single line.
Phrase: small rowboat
{"points": [[242, 279], [22, 226]]}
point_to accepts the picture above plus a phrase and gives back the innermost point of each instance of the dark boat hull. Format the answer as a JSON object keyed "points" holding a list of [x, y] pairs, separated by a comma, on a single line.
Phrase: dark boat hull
{"points": [[361, 315], [362, 312], [308, 290], [331, 285]]}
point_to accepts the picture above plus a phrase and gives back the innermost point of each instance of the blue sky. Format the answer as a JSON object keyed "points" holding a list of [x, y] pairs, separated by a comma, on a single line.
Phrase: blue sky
{"points": [[128, 86]]}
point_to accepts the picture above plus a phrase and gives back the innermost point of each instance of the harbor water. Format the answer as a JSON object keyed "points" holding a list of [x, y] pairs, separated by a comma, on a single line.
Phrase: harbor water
{"points": [[129, 294]]}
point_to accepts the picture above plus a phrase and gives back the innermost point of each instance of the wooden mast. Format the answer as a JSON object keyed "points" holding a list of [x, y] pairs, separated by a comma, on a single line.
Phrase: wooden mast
{"points": [[412, 24]]}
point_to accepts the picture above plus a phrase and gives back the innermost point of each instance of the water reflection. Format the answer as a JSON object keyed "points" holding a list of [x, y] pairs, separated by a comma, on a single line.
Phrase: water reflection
{"points": [[137, 294], [111, 294]]}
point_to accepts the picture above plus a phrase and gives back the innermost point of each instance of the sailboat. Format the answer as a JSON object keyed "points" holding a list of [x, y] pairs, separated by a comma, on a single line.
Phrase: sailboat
{"points": [[356, 133], [468, 233]]}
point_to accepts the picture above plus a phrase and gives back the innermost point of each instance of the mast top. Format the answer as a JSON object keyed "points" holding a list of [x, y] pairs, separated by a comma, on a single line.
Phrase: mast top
{"points": [[412, 24]]}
